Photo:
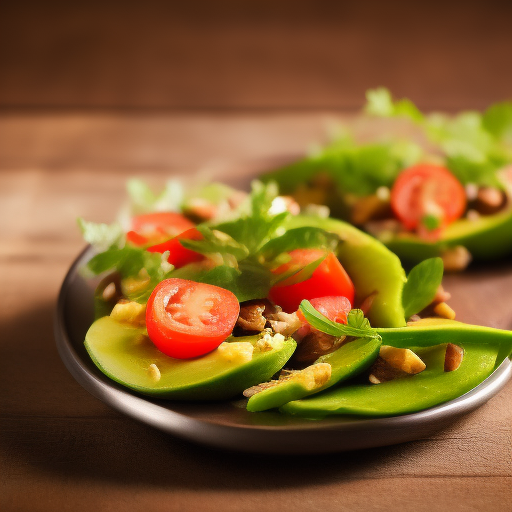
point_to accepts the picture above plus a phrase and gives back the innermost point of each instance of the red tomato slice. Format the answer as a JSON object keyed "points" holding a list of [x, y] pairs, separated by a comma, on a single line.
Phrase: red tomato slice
{"points": [[328, 279], [134, 238], [179, 255], [427, 189], [335, 309], [160, 225], [186, 319]]}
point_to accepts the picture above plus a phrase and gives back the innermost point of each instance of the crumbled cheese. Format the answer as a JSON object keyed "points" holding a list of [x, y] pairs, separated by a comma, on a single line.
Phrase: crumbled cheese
{"points": [[236, 351]]}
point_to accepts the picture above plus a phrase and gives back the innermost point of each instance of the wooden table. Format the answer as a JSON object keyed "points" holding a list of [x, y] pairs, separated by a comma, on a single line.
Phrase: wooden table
{"points": [[61, 449]]}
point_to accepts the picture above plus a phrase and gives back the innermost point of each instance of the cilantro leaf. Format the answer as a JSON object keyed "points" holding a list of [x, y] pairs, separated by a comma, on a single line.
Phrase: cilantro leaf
{"points": [[247, 282], [421, 286], [216, 242], [357, 325], [256, 225]]}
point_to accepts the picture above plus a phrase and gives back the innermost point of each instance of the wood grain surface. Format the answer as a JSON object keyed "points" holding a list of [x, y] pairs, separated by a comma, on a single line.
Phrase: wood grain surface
{"points": [[61, 449], [256, 54]]}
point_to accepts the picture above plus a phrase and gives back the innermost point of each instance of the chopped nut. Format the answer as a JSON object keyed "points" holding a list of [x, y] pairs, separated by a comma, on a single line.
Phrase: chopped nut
{"points": [[444, 311], [382, 371], [489, 200], [453, 357], [270, 342], [402, 359], [472, 215], [251, 317], [132, 285], [284, 323], [456, 259], [441, 295], [130, 312], [236, 351], [109, 291], [316, 344], [368, 208], [154, 372]]}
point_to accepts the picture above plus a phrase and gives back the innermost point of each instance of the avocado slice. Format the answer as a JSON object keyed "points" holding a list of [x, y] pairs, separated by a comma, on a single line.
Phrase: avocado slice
{"points": [[406, 395], [370, 265], [486, 238], [345, 362], [124, 353], [429, 331]]}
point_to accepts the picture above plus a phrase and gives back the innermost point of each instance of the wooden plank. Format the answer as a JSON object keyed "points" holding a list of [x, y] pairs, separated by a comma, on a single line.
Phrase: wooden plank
{"points": [[232, 55]]}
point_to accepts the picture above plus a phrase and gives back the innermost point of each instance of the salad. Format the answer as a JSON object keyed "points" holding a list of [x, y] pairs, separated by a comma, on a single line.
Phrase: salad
{"points": [[216, 294], [444, 190]]}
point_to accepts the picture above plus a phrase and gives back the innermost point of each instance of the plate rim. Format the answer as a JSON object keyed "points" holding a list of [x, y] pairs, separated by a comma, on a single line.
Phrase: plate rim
{"points": [[269, 438]]}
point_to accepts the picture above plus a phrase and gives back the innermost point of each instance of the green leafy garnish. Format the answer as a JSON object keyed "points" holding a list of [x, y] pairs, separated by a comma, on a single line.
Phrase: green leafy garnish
{"points": [[353, 168], [421, 286], [304, 238], [101, 236], [256, 225], [357, 325], [475, 145], [133, 262], [144, 200], [216, 242], [379, 102]]}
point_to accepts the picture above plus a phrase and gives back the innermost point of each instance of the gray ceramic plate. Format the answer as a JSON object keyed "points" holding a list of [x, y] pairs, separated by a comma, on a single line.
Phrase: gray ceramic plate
{"points": [[229, 425]]}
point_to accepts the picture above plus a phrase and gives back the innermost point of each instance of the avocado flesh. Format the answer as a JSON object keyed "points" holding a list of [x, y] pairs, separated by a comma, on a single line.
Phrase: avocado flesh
{"points": [[348, 360], [486, 238], [370, 265], [124, 354], [409, 394]]}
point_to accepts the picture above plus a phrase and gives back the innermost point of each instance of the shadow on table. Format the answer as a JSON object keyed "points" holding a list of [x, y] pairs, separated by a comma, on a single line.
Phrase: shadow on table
{"points": [[51, 424]]}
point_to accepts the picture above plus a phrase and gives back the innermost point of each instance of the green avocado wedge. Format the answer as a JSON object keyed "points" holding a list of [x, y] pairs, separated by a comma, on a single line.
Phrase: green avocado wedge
{"points": [[406, 395], [431, 331], [370, 265], [486, 238], [345, 362], [124, 353]]}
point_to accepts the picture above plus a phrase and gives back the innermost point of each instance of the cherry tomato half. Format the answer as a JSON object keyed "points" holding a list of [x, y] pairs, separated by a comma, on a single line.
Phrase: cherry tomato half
{"points": [[335, 309], [186, 319], [427, 190], [328, 279], [151, 227], [179, 255]]}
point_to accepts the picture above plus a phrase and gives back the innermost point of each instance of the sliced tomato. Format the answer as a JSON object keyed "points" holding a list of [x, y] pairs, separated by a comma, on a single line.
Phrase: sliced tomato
{"points": [[179, 255], [328, 279], [334, 308], [134, 238], [186, 319], [159, 226], [427, 191]]}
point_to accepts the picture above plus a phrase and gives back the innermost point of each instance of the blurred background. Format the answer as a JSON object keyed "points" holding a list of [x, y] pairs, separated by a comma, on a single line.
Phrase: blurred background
{"points": [[227, 55], [134, 85]]}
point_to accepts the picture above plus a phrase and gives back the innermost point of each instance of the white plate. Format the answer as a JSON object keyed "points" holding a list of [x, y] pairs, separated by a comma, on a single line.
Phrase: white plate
{"points": [[228, 424]]}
